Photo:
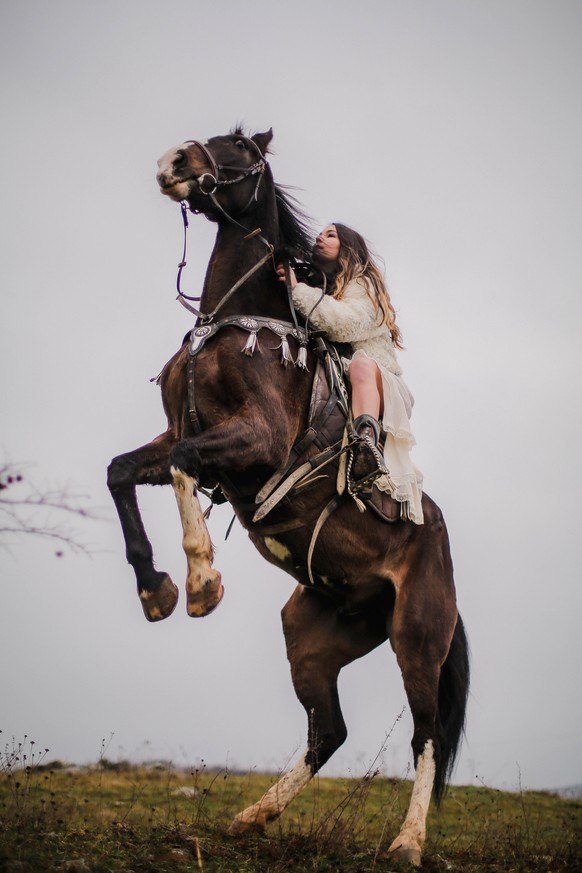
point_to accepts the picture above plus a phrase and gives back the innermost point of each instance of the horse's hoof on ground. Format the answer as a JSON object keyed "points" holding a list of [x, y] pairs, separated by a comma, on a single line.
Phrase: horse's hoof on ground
{"points": [[159, 604], [242, 828], [404, 855], [206, 597]]}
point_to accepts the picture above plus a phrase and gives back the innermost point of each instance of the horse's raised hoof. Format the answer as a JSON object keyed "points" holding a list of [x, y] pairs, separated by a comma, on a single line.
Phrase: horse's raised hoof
{"points": [[159, 604], [242, 828], [206, 596]]}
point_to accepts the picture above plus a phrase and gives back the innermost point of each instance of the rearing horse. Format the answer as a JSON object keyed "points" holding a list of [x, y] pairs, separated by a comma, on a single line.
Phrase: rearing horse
{"points": [[232, 420]]}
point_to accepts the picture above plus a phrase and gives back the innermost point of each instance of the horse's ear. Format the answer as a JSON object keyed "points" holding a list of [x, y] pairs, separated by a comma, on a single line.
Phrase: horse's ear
{"points": [[262, 140]]}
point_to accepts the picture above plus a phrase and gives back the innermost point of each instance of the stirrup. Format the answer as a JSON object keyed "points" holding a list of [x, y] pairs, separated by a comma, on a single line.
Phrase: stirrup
{"points": [[367, 442], [367, 422]]}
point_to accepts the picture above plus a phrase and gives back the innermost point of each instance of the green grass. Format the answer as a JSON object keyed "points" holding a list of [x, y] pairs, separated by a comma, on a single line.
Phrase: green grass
{"points": [[129, 819]]}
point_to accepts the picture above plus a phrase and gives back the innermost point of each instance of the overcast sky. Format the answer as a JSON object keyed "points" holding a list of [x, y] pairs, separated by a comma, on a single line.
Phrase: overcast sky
{"points": [[449, 133]]}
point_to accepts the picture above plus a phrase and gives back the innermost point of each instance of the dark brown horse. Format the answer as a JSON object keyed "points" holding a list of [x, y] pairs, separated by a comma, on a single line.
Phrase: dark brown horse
{"points": [[368, 581]]}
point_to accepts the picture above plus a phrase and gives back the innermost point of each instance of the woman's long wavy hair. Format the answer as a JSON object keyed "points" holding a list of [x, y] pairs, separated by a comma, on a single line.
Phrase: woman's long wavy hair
{"points": [[355, 261]]}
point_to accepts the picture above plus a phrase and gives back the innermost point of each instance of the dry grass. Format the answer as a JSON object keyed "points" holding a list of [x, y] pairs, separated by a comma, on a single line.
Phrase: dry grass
{"points": [[128, 819]]}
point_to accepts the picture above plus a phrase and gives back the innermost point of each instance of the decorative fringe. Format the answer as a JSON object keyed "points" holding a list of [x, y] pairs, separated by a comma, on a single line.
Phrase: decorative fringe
{"points": [[359, 503], [251, 344], [301, 361], [286, 357]]}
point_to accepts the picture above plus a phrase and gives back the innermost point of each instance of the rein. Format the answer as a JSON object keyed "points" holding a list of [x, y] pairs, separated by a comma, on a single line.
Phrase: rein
{"points": [[258, 168], [182, 298]]}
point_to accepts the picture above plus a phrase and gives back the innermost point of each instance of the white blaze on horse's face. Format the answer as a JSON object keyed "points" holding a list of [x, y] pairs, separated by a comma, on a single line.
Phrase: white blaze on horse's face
{"points": [[178, 167]]}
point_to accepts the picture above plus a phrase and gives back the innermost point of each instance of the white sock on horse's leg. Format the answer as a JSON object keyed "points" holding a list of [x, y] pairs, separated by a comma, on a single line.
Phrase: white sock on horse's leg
{"points": [[408, 844], [274, 801], [203, 583]]}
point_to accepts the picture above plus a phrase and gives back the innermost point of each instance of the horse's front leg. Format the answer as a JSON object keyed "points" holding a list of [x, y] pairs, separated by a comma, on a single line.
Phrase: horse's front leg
{"points": [[204, 587], [146, 465], [232, 447]]}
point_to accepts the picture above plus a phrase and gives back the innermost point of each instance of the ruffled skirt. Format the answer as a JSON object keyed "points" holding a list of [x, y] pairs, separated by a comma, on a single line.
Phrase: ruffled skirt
{"points": [[404, 479]]}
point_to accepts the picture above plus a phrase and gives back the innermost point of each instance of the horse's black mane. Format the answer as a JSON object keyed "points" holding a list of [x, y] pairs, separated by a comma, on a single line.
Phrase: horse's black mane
{"points": [[294, 225], [296, 233]]}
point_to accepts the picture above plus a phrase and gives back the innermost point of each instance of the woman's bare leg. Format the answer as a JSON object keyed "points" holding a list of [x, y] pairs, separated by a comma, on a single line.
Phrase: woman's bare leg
{"points": [[366, 384]]}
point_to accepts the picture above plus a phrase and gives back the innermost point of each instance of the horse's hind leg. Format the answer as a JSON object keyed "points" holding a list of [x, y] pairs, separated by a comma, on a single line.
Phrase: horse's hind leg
{"points": [[423, 624], [319, 643], [146, 465]]}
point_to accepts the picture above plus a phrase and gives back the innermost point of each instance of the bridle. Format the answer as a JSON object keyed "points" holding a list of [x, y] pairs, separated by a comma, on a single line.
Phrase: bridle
{"points": [[258, 168], [209, 184]]}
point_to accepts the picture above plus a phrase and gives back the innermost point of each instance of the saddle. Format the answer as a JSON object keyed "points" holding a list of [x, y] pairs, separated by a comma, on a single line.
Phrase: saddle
{"points": [[329, 429]]}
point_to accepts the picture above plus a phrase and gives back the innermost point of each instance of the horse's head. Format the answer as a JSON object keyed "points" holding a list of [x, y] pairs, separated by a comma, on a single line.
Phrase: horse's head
{"points": [[222, 173]]}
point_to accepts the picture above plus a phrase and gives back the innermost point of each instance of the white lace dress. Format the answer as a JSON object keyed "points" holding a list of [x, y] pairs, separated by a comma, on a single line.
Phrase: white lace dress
{"points": [[353, 320]]}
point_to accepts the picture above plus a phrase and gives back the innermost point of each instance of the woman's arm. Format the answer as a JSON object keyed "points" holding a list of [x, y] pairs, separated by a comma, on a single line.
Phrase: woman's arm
{"points": [[347, 320]]}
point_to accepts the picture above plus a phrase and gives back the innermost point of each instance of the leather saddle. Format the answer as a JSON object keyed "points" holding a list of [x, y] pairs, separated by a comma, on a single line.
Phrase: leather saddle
{"points": [[328, 416]]}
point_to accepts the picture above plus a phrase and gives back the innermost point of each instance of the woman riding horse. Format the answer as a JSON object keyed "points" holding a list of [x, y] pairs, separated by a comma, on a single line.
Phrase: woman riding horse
{"points": [[357, 309], [233, 419]]}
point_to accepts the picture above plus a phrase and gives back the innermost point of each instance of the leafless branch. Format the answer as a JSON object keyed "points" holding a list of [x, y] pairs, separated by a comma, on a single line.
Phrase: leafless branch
{"points": [[27, 509]]}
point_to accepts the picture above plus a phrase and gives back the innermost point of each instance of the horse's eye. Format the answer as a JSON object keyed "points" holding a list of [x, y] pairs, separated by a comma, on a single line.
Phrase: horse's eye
{"points": [[240, 144]]}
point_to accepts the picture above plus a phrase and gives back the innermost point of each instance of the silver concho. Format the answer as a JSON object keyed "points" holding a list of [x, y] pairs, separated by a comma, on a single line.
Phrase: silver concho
{"points": [[249, 323], [277, 328], [197, 338]]}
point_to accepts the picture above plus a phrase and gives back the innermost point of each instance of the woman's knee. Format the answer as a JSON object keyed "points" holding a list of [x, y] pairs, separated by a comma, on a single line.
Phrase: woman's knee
{"points": [[363, 371]]}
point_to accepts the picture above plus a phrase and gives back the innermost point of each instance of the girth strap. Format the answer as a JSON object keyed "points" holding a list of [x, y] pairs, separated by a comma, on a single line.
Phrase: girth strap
{"points": [[331, 507]]}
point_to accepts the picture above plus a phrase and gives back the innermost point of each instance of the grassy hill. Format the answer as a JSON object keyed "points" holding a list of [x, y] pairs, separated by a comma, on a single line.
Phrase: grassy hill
{"points": [[128, 819]]}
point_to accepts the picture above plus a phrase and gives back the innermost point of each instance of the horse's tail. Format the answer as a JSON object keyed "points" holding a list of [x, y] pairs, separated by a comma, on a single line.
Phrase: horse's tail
{"points": [[452, 705]]}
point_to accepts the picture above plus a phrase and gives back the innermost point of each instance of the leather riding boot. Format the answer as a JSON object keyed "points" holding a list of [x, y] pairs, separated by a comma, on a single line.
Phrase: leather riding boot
{"points": [[366, 426], [368, 462]]}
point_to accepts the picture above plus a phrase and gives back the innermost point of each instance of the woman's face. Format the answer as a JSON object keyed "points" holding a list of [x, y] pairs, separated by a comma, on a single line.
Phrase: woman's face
{"points": [[327, 245]]}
